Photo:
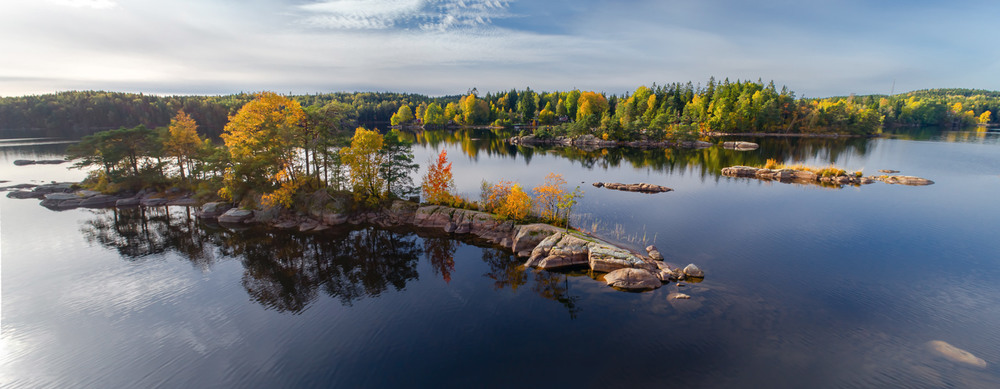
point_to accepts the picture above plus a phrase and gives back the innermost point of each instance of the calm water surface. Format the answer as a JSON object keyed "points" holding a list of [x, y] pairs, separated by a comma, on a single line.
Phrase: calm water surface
{"points": [[806, 286]]}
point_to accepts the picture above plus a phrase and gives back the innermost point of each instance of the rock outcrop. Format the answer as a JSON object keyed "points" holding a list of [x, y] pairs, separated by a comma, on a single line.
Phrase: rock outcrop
{"points": [[808, 177], [632, 279], [640, 187]]}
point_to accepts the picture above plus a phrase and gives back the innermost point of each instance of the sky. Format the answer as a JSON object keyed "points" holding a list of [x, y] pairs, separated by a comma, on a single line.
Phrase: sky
{"points": [[445, 47]]}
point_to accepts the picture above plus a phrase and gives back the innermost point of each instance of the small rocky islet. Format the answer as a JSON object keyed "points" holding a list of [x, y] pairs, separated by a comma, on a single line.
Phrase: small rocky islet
{"points": [[809, 177], [544, 246]]}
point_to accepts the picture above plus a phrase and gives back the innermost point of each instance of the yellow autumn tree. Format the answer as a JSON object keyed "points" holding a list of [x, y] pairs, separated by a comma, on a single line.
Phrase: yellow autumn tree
{"points": [[363, 160], [261, 140], [985, 117], [548, 196], [591, 103], [517, 204], [183, 141]]}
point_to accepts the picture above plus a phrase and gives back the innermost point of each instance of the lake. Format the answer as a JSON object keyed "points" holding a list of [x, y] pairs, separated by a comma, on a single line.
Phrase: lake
{"points": [[805, 286]]}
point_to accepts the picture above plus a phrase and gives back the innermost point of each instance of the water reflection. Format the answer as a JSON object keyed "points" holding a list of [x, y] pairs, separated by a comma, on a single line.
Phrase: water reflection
{"points": [[287, 271], [707, 161]]}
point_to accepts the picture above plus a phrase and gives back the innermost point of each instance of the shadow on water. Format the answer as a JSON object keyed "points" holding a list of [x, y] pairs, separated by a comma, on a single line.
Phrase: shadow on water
{"points": [[286, 271]]}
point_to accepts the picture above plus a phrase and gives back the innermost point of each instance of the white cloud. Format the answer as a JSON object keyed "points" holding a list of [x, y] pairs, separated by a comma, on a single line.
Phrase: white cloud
{"points": [[95, 4], [437, 15]]}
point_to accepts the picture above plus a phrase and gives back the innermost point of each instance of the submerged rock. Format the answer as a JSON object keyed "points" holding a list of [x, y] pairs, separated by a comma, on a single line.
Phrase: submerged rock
{"points": [[632, 279], [955, 354]]}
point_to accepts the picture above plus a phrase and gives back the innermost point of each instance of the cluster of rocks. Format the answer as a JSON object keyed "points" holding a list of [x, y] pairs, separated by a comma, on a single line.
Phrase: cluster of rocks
{"points": [[23, 162], [66, 195], [641, 187], [740, 145], [808, 177], [592, 142], [545, 246]]}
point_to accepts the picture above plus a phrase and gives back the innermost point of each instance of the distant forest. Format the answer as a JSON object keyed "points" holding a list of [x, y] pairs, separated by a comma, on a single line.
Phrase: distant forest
{"points": [[731, 107]]}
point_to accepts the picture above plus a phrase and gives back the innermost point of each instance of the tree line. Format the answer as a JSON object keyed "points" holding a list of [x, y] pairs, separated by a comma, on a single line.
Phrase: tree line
{"points": [[658, 111]]}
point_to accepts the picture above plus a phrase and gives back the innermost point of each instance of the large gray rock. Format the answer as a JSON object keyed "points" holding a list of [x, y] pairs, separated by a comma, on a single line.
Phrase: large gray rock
{"points": [[692, 270], [154, 201], [740, 171], [605, 259], [529, 236], [236, 216], [213, 210], [433, 216], [654, 253], [632, 279], [99, 201], [559, 250], [906, 180], [59, 196], [129, 202], [24, 194]]}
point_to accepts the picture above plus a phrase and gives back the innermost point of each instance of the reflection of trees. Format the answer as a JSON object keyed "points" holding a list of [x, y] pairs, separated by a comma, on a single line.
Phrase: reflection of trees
{"points": [[441, 253], [508, 272], [707, 161], [555, 286], [138, 232], [505, 270], [286, 271]]}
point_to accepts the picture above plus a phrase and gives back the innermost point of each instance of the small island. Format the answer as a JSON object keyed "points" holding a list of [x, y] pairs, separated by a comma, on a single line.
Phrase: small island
{"points": [[829, 176], [280, 167]]}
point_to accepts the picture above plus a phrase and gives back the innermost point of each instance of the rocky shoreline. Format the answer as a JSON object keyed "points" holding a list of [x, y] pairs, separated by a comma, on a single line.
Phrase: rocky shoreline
{"points": [[543, 246], [808, 177]]}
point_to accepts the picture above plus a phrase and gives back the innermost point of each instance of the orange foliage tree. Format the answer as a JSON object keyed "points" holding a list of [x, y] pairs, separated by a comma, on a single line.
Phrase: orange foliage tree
{"points": [[548, 196], [438, 184]]}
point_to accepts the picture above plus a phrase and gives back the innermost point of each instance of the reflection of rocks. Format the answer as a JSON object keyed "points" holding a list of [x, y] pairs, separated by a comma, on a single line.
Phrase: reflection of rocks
{"points": [[739, 145], [955, 354], [640, 187], [808, 177], [23, 162]]}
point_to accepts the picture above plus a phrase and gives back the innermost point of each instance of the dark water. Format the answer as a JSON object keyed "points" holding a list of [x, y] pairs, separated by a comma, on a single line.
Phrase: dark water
{"points": [[807, 286]]}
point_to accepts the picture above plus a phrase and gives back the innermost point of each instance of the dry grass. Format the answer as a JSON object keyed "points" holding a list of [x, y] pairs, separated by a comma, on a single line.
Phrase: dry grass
{"points": [[829, 171]]}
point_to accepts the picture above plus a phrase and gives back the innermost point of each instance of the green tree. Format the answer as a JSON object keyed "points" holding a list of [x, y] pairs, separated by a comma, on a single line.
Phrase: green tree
{"points": [[397, 165], [364, 159], [403, 116]]}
